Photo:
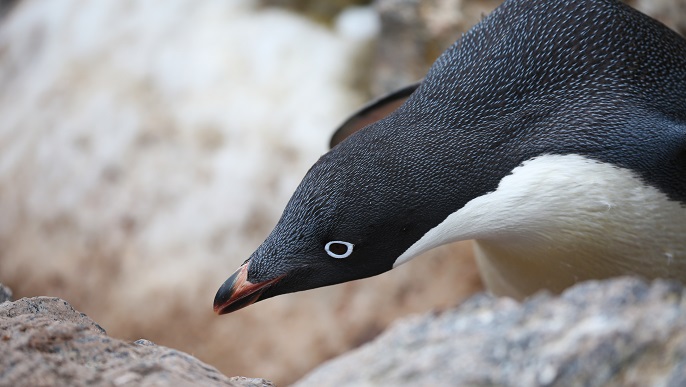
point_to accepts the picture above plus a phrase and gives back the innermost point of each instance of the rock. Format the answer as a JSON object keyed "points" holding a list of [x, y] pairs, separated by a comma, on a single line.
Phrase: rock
{"points": [[45, 342], [609, 333], [5, 293]]}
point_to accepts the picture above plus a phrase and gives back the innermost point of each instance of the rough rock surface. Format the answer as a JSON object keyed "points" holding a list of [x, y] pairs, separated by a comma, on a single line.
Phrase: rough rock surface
{"points": [[45, 342], [602, 333], [612, 333]]}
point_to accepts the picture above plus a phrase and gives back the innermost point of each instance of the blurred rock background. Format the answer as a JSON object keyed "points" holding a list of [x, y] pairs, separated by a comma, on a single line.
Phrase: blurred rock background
{"points": [[146, 149]]}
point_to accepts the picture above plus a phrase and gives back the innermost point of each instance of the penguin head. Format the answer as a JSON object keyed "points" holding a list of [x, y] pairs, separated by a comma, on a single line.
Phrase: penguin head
{"points": [[338, 226]]}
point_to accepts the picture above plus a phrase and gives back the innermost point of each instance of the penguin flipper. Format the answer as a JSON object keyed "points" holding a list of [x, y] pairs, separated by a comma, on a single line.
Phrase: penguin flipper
{"points": [[372, 112]]}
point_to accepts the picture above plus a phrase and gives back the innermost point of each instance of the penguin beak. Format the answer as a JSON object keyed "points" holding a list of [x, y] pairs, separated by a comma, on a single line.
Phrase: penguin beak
{"points": [[237, 292]]}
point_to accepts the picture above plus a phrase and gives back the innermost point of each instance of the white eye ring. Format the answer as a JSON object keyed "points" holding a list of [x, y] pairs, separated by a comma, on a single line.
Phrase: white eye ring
{"points": [[339, 256]]}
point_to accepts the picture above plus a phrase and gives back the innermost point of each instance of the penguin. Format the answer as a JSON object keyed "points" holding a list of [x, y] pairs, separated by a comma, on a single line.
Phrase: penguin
{"points": [[552, 134]]}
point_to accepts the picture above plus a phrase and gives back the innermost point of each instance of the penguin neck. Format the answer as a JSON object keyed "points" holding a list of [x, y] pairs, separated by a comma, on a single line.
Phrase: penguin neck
{"points": [[560, 219]]}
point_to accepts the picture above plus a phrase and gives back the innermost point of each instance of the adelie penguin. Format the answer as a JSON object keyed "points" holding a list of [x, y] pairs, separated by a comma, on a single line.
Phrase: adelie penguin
{"points": [[553, 134]]}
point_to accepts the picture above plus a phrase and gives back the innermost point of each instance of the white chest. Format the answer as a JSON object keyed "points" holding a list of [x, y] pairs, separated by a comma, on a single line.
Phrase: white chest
{"points": [[557, 220]]}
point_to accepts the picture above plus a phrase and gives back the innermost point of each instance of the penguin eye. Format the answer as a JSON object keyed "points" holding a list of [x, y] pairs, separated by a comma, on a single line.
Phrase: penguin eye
{"points": [[339, 249]]}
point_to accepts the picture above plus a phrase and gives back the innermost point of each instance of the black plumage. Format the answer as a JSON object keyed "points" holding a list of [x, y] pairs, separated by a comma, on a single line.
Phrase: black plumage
{"points": [[594, 78]]}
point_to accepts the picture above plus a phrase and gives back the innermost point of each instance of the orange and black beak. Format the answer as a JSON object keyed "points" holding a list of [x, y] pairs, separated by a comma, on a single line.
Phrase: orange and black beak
{"points": [[237, 292]]}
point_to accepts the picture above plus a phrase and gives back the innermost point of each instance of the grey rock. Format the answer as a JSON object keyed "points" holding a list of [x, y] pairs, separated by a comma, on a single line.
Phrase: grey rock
{"points": [[609, 333], [5, 293], [45, 342]]}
